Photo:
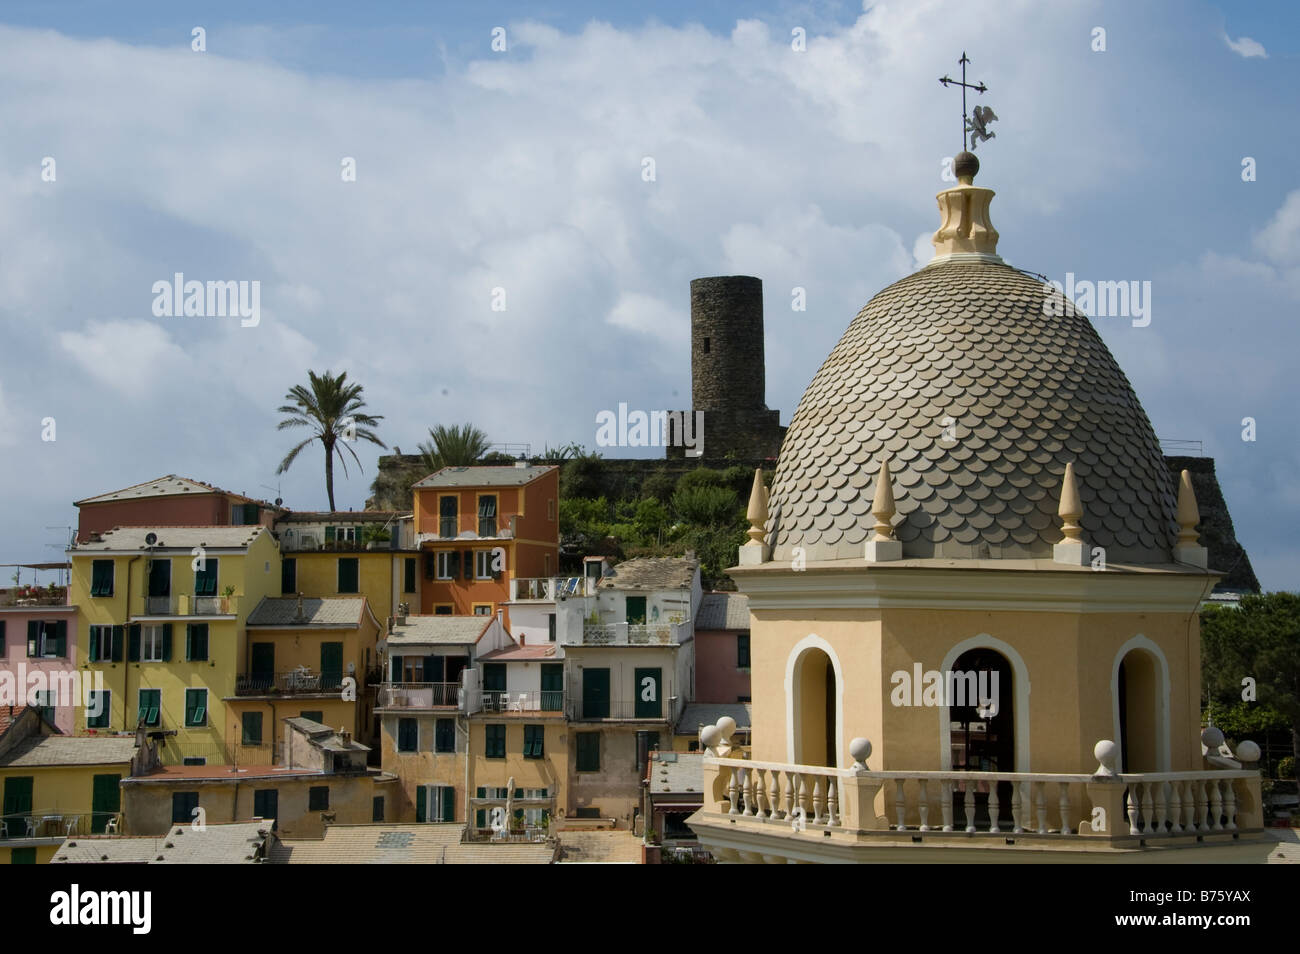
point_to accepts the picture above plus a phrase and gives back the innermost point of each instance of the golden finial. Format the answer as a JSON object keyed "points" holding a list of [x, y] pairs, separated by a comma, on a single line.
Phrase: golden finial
{"points": [[1071, 508]]}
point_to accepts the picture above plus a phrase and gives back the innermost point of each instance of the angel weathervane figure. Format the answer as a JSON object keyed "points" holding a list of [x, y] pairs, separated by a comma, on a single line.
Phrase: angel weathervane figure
{"points": [[977, 128]]}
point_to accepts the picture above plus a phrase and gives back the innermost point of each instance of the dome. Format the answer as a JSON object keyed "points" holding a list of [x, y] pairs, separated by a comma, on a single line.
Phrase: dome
{"points": [[977, 399]]}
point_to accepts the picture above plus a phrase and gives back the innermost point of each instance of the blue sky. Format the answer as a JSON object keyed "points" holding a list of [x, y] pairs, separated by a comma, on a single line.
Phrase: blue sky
{"points": [[522, 170]]}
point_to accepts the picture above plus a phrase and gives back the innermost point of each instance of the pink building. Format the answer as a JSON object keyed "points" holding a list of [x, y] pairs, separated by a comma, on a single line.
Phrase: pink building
{"points": [[171, 501], [38, 639], [722, 648]]}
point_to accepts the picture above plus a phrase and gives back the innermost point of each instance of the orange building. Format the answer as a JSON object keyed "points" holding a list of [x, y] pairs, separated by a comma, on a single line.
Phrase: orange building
{"points": [[171, 501], [480, 527]]}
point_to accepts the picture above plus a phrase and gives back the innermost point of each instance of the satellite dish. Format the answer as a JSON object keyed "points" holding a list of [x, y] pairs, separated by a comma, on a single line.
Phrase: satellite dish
{"points": [[150, 539]]}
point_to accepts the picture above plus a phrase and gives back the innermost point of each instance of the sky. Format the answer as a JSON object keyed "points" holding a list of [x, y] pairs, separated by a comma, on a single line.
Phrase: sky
{"points": [[503, 256]]}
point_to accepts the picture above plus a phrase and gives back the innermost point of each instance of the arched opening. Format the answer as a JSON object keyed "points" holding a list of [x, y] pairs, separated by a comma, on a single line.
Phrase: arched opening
{"points": [[980, 691], [1137, 693], [815, 702]]}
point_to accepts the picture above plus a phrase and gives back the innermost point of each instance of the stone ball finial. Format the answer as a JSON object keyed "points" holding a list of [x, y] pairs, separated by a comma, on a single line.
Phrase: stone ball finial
{"points": [[1107, 754], [726, 726], [710, 736], [965, 167], [860, 749], [1212, 736], [1247, 751]]}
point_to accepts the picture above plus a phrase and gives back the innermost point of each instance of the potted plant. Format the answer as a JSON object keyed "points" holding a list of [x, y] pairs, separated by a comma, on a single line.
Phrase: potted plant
{"points": [[375, 534], [226, 594]]}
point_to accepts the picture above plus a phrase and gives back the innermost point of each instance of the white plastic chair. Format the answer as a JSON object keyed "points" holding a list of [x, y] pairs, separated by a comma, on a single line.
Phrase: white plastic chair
{"points": [[111, 827]]}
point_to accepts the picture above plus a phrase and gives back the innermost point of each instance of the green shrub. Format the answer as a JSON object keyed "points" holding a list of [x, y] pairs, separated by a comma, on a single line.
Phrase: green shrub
{"points": [[706, 505], [1286, 767]]}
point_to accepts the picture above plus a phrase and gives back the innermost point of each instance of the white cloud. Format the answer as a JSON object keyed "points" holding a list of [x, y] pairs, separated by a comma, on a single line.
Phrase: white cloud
{"points": [[1245, 47], [131, 356]]}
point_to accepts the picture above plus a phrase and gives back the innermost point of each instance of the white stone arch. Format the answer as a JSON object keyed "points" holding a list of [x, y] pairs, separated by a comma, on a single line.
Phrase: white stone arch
{"points": [[1162, 698], [1020, 678], [813, 641]]}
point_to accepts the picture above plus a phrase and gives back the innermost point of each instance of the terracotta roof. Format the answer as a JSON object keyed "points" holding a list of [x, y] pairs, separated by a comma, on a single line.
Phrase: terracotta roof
{"points": [[237, 843], [968, 346], [651, 573], [381, 844], [516, 653], [169, 485], [723, 611], [69, 750], [316, 611], [174, 538], [444, 630], [488, 476], [220, 773]]}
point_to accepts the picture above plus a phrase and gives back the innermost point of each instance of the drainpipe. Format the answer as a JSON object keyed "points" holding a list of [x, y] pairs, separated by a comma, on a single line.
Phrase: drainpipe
{"points": [[126, 655], [468, 821]]}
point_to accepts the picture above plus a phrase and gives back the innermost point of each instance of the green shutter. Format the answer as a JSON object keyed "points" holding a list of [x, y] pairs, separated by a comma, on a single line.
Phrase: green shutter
{"points": [[133, 643], [288, 576], [92, 649], [167, 642], [448, 804], [33, 637], [329, 534], [408, 568], [117, 643], [60, 637], [469, 564], [395, 674], [205, 580], [453, 564], [421, 803], [646, 686], [480, 818]]}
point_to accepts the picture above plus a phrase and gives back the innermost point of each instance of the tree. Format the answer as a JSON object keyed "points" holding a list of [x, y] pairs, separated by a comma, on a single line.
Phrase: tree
{"points": [[1260, 641], [332, 408], [455, 446]]}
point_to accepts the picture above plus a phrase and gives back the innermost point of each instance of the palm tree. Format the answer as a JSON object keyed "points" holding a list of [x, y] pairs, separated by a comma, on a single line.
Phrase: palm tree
{"points": [[455, 446], [332, 408]]}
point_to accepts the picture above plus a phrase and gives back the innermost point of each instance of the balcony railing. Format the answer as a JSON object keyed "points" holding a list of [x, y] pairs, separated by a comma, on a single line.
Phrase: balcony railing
{"points": [[292, 682], [185, 604], [550, 588], [632, 634], [531, 701], [42, 599], [909, 807], [56, 824], [419, 695], [591, 710]]}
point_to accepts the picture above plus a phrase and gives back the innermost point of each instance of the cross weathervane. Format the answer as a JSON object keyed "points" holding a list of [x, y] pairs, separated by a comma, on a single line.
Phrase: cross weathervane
{"points": [[977, 128]]}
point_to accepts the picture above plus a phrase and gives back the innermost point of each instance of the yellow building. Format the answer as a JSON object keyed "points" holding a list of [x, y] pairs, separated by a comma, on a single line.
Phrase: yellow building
{"points": [[971, 504], [56, 785], [311, 657], [162, 613]]}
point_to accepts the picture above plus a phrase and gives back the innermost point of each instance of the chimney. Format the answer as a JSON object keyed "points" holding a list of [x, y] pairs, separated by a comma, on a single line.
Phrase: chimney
{"points": [[299, 613], [521, 464]]}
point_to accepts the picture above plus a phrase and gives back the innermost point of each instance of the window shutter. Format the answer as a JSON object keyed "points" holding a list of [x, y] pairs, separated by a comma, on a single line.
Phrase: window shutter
{"points": [[60, 638], [453, 564], [421, 803], [395, 674], [448, 804], [469, 564], [133, 643], [167, 642], [117, 643], [189, 639], [329, 534], [480, 817], [3, 647], [430, 564], [33, 637], [92, 650]]}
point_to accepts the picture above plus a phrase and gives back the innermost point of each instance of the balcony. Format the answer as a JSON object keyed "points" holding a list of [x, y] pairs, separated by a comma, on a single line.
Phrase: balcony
{"points": [[592, 710], [35, 596], [53, 825], [548, 589], [301, 681], [184, 604], [419, 695], [799, 813], [531, 702], [633, 634]]}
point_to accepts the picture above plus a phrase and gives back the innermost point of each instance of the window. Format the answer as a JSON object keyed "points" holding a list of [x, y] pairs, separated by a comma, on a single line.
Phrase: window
{"points": [[482, 609], [314, 715], [448, 511], [44, 700], [743, 699], [448, 564], [742, 650], [160, 578], [495, 746], [377, 809], [444, 735], [483, 565], [196, 707], [104, 644], [266, 803], [152, 645], [243, 515], [183, 805], [533, 741], [348, 574], [588, 751], [22, 856], [150, 707], [550, 627], [47, 638], [318, 798], [101, 578], [196, 642], [550, 509], [408, 735], [98, 707], [252, 728], [289, 575], [205, 579], [592, 811], [408, 583], [442, 609], [487, 515], [435, 803], [194, 760]]}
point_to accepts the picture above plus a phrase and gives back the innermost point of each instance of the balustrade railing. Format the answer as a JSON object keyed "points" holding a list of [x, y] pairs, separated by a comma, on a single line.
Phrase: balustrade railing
{"points": [[419, 695]]}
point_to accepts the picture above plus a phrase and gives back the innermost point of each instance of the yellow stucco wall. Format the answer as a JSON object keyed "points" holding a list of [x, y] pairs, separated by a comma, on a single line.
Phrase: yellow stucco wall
{"points": [[318, 575]]}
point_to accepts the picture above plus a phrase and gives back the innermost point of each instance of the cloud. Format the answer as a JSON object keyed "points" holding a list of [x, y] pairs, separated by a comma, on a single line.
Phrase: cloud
{"points": [[1245, 47], [130, 357]]}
